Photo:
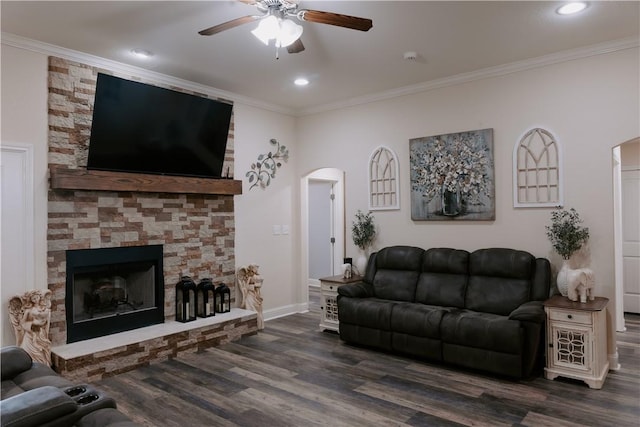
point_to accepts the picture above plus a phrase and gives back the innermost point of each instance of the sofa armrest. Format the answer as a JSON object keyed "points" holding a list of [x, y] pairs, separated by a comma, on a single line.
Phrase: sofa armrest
{"points": [[541, 283], [36, 407], [532, 311], [14, 360], [356, 290]]}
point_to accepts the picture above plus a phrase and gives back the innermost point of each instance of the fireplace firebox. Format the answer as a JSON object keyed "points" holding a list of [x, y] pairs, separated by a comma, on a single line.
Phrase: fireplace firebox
{"points": [[112, 290]]}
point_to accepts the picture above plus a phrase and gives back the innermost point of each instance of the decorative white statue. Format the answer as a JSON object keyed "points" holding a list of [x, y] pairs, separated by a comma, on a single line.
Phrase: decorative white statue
{"points": [[579, 261], [250, 283], [346, 271], [30, 316], [580, 284]]}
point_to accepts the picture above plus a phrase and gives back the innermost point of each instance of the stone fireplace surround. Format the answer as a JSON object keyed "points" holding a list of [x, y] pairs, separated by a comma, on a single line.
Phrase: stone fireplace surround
{"points": [[196, 231]]}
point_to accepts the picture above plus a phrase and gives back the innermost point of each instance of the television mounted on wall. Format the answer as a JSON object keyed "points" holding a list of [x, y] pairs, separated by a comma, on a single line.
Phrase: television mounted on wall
{"points": [[142, 128]]}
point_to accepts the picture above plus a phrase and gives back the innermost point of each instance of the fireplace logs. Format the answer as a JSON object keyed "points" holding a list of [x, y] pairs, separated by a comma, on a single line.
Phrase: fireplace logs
{"points": [[108, 294]]}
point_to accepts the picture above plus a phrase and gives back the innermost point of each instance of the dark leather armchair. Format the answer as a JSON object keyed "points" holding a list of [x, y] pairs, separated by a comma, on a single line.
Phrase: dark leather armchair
{"points": [[34, 395]]}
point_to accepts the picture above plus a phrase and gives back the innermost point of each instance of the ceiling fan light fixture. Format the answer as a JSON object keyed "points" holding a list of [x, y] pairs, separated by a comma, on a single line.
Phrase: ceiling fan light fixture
{"points": [[289, 33], [283, 31], [267, 29]]}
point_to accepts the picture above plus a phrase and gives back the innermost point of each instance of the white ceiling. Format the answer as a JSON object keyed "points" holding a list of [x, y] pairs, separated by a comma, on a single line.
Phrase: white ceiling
{"points": [[450, 38]]}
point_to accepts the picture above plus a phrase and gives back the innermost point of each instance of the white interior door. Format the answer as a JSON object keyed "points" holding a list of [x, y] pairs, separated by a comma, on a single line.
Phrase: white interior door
{"points": [[631, 239], [321, 229], [16, 233], [336, 178]]}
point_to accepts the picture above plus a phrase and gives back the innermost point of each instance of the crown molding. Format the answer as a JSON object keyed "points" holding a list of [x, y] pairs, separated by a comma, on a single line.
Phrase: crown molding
{"points": [[500, 70], [119, 67], [485, 73]]}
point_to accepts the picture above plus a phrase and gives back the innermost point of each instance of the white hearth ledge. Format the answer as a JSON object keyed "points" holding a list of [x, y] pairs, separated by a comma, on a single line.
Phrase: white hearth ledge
{"points": [[109, 342]]}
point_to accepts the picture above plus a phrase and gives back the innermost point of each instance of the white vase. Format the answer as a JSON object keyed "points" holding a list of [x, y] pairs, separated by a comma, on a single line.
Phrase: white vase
{"points": [[361, 263], [562, 281]]}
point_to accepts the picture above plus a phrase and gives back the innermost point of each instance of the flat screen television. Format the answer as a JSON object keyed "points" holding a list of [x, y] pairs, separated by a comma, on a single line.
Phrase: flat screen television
{"points": [[141, 128]]}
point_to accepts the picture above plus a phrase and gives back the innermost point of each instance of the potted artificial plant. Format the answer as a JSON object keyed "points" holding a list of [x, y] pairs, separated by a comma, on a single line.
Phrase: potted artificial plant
{"points": [[567, 237], [363, 231]]}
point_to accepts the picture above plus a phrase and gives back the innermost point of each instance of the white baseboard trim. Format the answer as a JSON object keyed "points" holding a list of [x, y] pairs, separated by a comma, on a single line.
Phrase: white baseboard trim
{"points": [[286, 310]]}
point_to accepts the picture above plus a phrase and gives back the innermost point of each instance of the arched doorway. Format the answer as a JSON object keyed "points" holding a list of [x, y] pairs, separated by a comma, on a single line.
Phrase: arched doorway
{"points": [[323, 182]]}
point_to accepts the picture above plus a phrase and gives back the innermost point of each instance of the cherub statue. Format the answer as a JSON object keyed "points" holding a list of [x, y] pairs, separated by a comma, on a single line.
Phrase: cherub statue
{"points": [[30, 315], [250, 283]]}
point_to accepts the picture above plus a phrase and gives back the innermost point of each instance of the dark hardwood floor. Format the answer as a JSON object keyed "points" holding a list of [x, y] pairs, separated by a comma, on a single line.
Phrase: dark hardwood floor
{"points": [[293, 374]]}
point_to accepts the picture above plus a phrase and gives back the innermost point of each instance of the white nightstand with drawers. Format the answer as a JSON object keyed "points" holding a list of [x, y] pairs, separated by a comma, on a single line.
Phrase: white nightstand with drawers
{"points": [[577, 340]]}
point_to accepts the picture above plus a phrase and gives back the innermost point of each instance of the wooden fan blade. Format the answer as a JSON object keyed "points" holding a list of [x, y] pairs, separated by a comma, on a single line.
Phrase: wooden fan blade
{"points": [[337, 19], [295, 47], [228, 25]]}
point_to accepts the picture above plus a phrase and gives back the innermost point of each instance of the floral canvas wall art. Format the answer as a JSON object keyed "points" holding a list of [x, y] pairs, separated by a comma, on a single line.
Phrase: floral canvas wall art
{"points": [[452, 176]]}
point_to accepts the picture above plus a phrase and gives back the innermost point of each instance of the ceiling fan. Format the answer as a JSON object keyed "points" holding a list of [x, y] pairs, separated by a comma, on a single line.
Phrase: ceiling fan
{"points": [[276, 22]]}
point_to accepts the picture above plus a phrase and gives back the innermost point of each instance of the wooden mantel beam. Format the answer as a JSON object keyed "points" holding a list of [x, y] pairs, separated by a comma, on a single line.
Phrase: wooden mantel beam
{"points": [[83, 179]]}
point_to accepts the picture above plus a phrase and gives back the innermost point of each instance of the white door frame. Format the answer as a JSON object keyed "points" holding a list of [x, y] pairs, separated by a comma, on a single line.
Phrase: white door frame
{"points": [[25, 224], [617, 238], [337, 177]]}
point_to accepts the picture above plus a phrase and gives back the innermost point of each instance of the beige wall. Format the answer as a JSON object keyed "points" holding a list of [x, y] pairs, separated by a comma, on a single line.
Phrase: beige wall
{"points": [[258, 210], [24, 121], [630, 154], [590, 105]]}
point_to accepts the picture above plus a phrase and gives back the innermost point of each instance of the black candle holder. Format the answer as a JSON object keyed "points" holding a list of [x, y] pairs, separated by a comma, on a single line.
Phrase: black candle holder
{"points": [[205, 293], [186, 300], [223, 298]]}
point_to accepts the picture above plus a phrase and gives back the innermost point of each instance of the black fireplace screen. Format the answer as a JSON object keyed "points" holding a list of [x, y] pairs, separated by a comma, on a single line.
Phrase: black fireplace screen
{"points": [[113, 290]]}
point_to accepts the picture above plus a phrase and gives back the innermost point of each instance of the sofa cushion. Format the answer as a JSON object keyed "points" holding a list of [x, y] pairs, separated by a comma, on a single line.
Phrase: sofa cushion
{"points": [[40, 375], [500, 280], [396, 274], [14, 361], [444, 277], [370, 312], [419, 320], [482, 330], [9, 388]]}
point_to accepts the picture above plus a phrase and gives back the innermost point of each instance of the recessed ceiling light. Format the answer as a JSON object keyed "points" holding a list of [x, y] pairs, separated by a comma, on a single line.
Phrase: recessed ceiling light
{"points": [[301, 81], [571, 8], [141, 53]]}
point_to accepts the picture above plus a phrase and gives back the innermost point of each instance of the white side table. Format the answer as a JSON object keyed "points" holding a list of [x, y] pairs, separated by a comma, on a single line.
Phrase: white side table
{"points": [[577, 340], [329, 300]]}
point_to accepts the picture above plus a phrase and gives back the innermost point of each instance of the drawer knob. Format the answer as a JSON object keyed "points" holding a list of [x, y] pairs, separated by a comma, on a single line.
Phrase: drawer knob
{"points": [[331, 287], [569, 316]]}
